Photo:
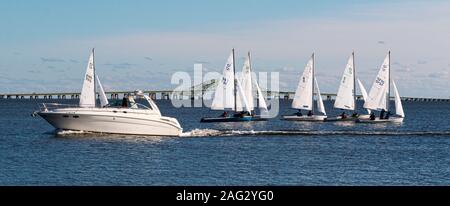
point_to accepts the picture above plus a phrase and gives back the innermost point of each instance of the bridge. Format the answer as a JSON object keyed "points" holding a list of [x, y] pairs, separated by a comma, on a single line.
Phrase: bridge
{"points": [[194, 92]]}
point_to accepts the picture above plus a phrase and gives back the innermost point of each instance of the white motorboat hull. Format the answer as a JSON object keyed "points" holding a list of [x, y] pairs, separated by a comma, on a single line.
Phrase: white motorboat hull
{"points": [[313, 118], [378, 120], [108, 121]]}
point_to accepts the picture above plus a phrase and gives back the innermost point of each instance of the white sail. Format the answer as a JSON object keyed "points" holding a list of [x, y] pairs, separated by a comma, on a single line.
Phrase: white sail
{"points": [[345, 98], [101, 91], [245, 79], [87, 97], [262, 101], [241, 94], [398, 102], [364, 93], [224, 95], [304, 94], [320, 106], [378, 95]]}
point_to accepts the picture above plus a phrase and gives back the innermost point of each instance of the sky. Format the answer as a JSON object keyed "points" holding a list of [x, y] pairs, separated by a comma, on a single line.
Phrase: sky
{"points": [[44, 45]]}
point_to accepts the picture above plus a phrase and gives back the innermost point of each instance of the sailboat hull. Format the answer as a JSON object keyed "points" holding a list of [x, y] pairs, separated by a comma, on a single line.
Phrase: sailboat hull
{"points": [[115, 123], [232, 119], [313, 118], [378, 120], [340, 119]]}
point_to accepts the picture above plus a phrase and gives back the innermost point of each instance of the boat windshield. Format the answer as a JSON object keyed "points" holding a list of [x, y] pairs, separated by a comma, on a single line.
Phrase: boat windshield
{"points": [[127, 103]]}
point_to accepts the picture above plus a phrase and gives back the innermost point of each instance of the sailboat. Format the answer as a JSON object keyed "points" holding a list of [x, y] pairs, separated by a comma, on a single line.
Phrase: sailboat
{"points": [[379, 97], [304, 96], [128, 118], [235, 93], [346, 95]]}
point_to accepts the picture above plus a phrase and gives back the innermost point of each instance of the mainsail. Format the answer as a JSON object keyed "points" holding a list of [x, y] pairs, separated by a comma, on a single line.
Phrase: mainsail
{"points": [[87, 97], [398, 102], [364, 93], [224, 95], [304, 94], [103, 98], [345, 98], [379, 93], [320, 106]]}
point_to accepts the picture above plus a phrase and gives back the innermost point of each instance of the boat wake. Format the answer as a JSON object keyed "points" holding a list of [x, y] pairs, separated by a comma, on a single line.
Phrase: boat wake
{"points": [[240, 133], [70, 132], [211, 132], [202, 133]]}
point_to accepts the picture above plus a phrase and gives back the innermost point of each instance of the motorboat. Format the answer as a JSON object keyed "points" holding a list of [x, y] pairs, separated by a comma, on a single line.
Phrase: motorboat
{"points": [[126, 117]]}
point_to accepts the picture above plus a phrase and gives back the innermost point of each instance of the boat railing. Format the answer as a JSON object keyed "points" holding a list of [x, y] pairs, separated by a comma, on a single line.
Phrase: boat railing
{"points": [[52, 106]]}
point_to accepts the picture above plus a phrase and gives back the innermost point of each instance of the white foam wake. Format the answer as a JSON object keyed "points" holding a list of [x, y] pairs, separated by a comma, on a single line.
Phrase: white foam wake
{"points": [[202, 133], [70, 132], [211, 132]]}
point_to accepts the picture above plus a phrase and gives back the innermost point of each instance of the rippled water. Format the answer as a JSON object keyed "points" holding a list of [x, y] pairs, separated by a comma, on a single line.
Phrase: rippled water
{"points": [[416, 152]]}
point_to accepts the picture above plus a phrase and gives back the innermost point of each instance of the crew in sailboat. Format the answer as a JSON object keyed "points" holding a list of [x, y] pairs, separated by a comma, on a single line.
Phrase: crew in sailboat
{"points": [[236, 94], [304, 96], [379, 96]]}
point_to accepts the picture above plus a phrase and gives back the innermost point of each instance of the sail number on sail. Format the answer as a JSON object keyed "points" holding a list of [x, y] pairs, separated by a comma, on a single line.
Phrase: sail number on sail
{"points": [[88, 78], [379, 81]]}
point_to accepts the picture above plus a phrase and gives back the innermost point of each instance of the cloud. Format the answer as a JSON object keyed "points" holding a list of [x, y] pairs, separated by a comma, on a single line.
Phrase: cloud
{"points": [[404, 70], [125, 65], [202, 62], [403, 67], [439, 75], [288, 69], [380, 42], [74, 61], [34, 71], [422, 62], [399, 65], [52, 59], [148, 58]]}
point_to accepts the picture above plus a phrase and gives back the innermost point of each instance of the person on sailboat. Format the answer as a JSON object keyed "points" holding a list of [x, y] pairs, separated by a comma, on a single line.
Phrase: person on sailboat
{"points": [[372, 116], [382, 113], [355, 114], [388, 114], [310, 113], [344, 115], [225, 114], [299, 113], [124, 102]]}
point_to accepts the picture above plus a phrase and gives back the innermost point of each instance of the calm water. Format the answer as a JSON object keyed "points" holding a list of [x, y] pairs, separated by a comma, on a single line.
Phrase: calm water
{"points": [[416, 152]]}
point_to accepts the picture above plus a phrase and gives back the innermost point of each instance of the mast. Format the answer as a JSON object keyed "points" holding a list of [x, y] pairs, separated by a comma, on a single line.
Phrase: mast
{"points": [[234, 79], [354, 82], [250, 69], [313, 77], [389, 82], [93, 68]]}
